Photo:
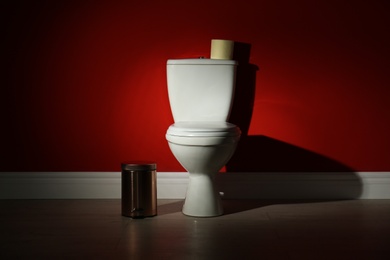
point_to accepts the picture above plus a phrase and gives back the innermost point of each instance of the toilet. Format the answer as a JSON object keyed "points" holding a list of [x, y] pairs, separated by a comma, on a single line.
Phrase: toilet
{"points": [[201, 95]]}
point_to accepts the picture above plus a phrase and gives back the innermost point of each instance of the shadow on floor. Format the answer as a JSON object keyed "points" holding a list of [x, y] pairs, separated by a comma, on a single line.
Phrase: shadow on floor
{"points": [[264, 168], [237, 206], [170, 208]]}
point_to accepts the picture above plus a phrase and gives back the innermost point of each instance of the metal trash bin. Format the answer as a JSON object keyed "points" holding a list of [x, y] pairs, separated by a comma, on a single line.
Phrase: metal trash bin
{"points": [[139, 189]]}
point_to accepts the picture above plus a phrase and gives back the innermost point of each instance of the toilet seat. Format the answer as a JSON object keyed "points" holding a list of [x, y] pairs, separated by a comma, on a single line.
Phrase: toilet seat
{"points": [[203, 129], [203, 133]]}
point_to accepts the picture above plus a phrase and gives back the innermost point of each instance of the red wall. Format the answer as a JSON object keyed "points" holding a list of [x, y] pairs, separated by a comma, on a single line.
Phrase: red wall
{"points": [[84, 84]]}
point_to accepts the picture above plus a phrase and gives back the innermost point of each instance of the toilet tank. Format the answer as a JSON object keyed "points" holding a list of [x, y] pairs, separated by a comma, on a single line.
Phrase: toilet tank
{"points": [[201, 89]]}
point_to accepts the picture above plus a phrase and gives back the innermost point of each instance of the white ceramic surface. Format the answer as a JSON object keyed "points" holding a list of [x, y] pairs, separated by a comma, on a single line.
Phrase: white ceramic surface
{"points": [[202, 162], [201, 89], [201, 95]]}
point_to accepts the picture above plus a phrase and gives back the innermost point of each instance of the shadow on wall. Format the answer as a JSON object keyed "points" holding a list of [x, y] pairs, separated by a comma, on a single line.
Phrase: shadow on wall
{"points": [[259, 154]]}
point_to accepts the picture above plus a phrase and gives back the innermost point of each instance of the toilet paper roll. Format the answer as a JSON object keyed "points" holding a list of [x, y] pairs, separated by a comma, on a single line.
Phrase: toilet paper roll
{"points": [[222, 49]]}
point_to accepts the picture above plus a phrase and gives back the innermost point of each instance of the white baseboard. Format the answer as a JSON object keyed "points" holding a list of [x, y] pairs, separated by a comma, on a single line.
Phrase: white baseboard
{"points": [[173, 185]]}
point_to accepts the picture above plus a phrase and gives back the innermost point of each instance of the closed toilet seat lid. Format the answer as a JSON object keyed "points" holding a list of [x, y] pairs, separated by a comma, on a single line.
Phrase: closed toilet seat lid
{"points": [[203, 129]]}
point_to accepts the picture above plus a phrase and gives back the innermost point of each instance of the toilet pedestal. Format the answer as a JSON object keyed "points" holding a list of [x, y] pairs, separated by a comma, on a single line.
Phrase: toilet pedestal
{"points": [[202, 198]]}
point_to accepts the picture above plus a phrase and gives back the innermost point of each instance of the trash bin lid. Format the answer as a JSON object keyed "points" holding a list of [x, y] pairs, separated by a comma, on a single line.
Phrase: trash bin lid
{"points": [[139, 166]]}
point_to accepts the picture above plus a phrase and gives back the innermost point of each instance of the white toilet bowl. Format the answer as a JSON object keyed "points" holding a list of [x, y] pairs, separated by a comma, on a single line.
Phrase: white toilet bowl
{"points": [[202, 148], [201, 95]]}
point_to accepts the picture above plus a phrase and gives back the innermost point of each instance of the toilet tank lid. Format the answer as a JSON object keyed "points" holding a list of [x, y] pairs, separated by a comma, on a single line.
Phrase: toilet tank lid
{"points": [[201, 62]]}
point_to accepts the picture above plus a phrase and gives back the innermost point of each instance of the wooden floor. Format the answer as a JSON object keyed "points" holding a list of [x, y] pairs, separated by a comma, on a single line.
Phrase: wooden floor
{"points": [[95, 229]]}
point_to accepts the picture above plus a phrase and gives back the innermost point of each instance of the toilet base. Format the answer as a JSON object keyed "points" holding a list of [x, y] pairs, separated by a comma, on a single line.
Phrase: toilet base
{"points": [[202, 198]]}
